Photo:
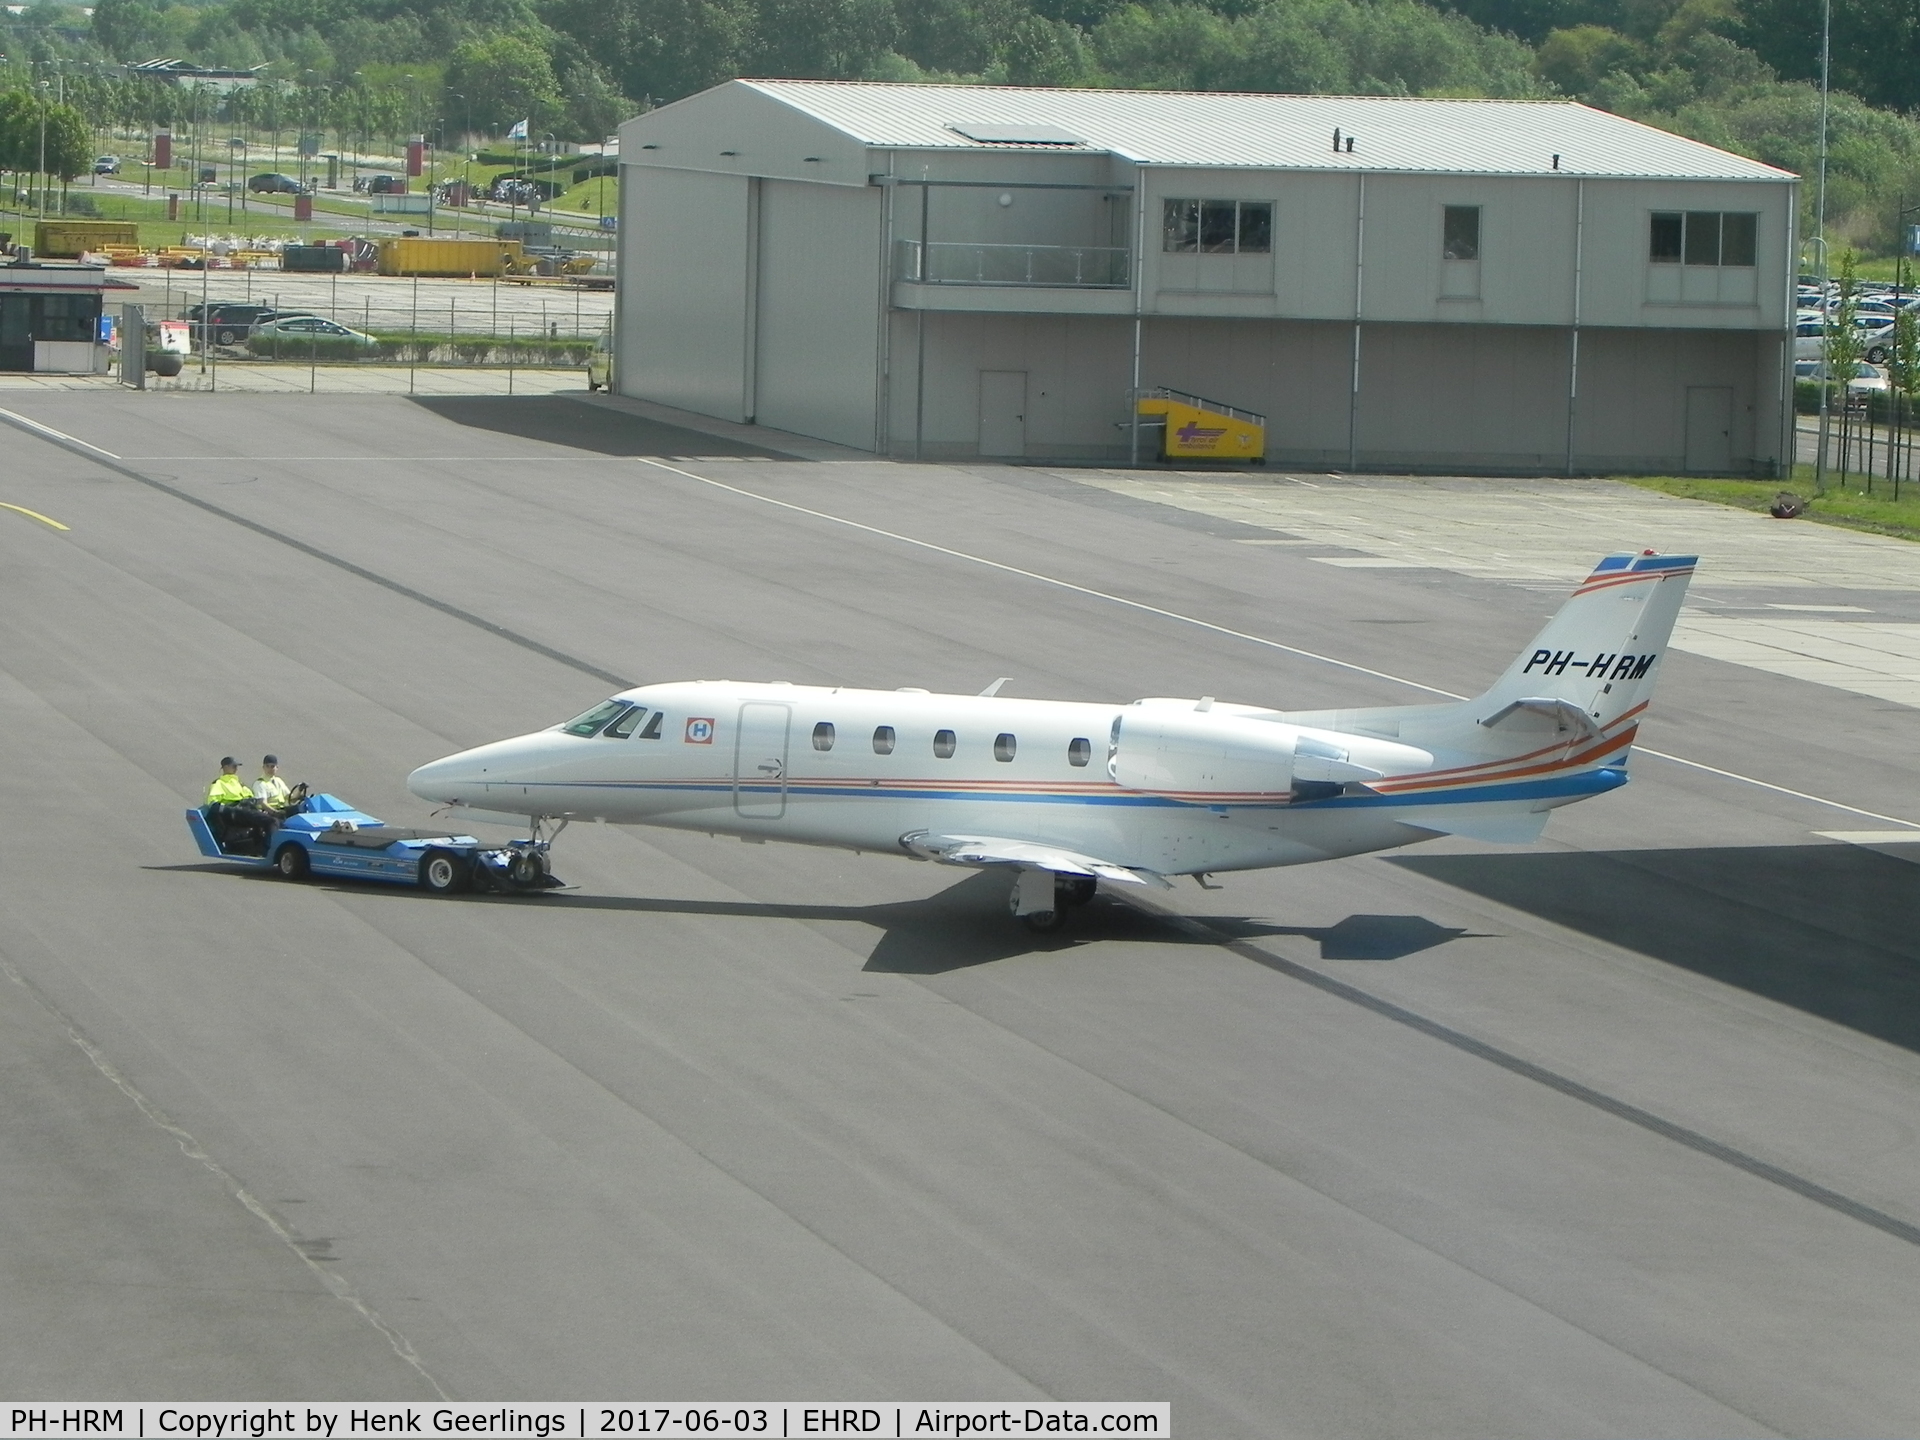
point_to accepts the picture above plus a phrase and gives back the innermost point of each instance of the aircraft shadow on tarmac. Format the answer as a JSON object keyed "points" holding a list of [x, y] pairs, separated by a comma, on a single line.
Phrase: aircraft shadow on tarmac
{"points": [[967, 924], [556, 420], [1833, 930]]}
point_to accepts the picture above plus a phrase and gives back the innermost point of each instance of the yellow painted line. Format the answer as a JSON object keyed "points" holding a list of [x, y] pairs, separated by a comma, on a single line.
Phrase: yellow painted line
{"points": [[32, 515]]}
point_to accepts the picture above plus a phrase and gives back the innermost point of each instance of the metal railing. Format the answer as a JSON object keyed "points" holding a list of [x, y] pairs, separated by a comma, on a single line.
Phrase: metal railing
{"points": [[943, 262], [1200, 402]]}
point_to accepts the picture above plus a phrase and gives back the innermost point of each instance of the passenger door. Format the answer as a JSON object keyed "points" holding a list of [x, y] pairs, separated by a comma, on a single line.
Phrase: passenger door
{"points": [[760, 761]]}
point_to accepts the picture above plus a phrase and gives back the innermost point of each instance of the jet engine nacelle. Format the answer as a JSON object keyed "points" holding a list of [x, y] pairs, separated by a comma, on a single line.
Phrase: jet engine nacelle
{"points": [[1201, 753]]}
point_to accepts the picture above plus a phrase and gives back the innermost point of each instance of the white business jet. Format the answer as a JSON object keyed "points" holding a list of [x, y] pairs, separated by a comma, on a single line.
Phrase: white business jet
{"points": [[1067, 795]]}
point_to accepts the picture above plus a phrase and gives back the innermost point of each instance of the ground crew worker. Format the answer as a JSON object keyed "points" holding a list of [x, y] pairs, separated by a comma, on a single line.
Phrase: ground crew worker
{"points": [[228, 789], [232, 812], [270, 790]]}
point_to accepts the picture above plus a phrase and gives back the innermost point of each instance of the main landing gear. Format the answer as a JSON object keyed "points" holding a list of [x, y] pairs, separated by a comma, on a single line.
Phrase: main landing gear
{"points": [[1042, 899]]}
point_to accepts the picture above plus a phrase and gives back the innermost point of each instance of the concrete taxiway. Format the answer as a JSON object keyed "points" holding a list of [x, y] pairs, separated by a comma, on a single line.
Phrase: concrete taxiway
{"points": [[1610, 1135]]}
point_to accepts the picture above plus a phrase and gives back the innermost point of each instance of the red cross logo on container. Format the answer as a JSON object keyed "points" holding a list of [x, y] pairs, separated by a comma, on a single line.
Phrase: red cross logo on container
{"points": [[700, 732]]}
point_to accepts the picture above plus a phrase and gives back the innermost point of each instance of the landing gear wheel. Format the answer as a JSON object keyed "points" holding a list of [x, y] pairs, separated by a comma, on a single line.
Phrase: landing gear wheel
{"points": [[1045, 922], [526, 867], [443, 874], [290, 861], [1074, 890]]}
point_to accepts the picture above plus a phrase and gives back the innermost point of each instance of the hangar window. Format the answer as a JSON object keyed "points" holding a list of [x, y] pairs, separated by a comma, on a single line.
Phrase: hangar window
{"points": [[590, 723], [1217, 227], [944, 744], [1460, 232], [1079, 752], [1704, 237], [823, 735], [624, 727], [1003, 747], [883, 740]]}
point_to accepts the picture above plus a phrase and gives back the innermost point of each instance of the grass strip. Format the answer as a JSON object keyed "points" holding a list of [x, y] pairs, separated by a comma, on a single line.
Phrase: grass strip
{"points": [[1852, 506]]}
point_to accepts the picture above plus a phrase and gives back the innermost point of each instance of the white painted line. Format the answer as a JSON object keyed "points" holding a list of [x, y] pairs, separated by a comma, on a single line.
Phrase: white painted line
{"points": [[1279, 542], [1872, 837], [59, 437], [1234, 634], [1823, 609]]}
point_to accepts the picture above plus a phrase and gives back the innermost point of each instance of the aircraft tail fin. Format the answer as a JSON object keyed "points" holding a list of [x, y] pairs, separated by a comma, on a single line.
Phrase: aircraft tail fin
{"points": [[1590, 672]]}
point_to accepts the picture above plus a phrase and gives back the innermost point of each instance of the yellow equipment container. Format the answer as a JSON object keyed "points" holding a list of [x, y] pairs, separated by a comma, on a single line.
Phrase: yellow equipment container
{"points": [[67, 239], [1195, 428], [418, 255]]}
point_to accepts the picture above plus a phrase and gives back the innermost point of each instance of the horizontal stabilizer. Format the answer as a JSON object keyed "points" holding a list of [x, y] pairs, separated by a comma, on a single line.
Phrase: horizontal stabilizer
{"points": [[985, 850]]}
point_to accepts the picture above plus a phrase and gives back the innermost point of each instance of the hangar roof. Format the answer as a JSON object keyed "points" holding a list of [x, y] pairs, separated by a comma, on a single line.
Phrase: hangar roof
{"points": [[1242, 131]]}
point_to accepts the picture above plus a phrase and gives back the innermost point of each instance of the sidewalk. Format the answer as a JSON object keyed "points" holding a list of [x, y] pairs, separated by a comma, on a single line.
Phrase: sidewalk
{"points": [[236, 378], [1867, 443]]}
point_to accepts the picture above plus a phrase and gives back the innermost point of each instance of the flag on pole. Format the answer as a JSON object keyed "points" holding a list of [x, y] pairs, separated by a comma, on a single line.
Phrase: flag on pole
{"points": [[519, 131]]}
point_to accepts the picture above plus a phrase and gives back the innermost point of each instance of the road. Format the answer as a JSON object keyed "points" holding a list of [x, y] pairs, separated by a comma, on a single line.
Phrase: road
{"points": [[1610, 1135]]}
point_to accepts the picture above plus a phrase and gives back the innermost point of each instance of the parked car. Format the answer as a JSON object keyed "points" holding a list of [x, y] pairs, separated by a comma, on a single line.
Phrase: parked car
{"points": [[106, 165], [1867, 380], [273, 184], [290, 332], [386, 185], [1876, 337], [231, 321]]}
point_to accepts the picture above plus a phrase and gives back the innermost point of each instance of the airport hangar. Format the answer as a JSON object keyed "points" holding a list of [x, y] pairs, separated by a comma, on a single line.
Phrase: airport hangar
{"points": [[1428, 285]]}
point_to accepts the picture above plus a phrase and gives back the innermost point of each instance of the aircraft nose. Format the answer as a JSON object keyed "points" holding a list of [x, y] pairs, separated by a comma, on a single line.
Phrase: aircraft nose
{"points": [[447, 780]]}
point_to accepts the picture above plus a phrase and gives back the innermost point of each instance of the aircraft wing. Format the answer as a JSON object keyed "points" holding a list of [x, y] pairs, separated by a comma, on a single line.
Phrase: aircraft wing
{"points": [[984, 850]]}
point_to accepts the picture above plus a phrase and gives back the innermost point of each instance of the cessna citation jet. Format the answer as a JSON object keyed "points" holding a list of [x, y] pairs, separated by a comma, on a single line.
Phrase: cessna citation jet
{"points": [[1066, 795]]}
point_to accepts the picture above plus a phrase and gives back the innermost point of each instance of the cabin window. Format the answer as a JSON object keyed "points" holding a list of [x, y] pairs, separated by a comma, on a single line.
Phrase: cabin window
{"points": [[823, 735], [1003, 747], [590, 723], [1079, 752], [652, 732], [624, 727], [944, 744], [883, 739]]}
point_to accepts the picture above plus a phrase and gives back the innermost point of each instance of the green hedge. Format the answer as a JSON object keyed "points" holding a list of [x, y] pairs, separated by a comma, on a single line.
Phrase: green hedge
{"points": [[1879, 409], [404, 348]]}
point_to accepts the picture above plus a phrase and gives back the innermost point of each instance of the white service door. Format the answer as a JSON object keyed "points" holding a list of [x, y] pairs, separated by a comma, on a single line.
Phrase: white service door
{"points": [[1709, 429], [1003, 412]]}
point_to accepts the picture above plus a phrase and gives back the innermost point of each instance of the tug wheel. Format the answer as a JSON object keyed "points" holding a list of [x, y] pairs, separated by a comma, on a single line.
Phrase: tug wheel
{"points": [[443, 874], [291, 863]]}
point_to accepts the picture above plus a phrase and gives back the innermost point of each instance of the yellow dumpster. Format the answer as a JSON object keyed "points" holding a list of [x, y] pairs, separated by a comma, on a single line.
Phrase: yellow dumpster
{"points": [[69, 239], [1195, 428], [420, 255]]}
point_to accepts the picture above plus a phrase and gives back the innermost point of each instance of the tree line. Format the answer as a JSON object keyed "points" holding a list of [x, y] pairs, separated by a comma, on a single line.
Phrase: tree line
{"points": [[1734, 73]]}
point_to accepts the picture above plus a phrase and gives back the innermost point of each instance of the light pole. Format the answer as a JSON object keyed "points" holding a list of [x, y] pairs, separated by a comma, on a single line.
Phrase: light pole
{"points": [[1820, 234], [466, 161], [41, 174]]}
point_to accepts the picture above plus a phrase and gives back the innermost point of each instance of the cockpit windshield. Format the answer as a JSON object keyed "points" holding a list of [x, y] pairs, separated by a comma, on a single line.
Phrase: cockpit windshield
{"points": [[590, 723]]}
